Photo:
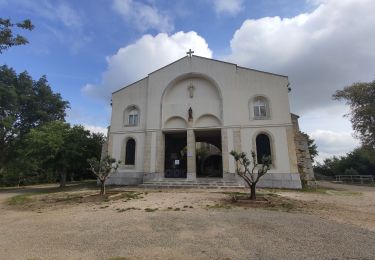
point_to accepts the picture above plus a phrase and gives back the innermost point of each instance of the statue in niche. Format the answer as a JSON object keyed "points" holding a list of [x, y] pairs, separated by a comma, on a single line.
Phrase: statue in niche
{"points": [[190, 112]]}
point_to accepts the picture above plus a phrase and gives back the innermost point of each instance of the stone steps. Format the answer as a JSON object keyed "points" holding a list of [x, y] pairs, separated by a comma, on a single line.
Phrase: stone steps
{"points": [[199, 183]]}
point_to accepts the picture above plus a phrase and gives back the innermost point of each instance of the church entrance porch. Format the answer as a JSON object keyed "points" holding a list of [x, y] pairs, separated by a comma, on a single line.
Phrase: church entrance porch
{"points": [[175, 163], [208, 153]]}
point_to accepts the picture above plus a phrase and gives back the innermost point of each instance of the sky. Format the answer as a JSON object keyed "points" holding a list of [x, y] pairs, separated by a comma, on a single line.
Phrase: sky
{"points": [[88, 49]]}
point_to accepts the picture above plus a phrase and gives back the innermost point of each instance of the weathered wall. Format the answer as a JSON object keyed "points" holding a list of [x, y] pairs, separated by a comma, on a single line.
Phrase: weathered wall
{"points": [[304, 161]]}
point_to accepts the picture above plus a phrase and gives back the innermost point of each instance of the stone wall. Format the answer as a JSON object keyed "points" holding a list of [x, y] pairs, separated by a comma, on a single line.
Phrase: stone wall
{"points": [[304, 161]]}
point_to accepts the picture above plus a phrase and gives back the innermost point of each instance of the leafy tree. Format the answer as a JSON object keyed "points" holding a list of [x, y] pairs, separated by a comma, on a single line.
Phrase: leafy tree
{"points": [[251, 176], [81, 144], [102, 169], [360, 161], [25, 104], [361, 99], [47, 148], [59, 150], [7, 38]]}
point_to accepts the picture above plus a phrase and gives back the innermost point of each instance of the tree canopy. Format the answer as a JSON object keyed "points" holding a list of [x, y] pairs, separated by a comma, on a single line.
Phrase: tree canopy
{"points": [[60, 149], [360, 161], [25, 104], [361, 99], [36, 144], [8, 38]]}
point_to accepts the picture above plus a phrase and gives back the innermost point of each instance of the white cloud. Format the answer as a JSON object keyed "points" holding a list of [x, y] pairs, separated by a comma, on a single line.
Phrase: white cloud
{"points": [[230, 7], [333, 134], [321, 51], [96, 129], [68, 16], [59, 20], [333, 143], [61, 12], [144, 16], [149, 53]]}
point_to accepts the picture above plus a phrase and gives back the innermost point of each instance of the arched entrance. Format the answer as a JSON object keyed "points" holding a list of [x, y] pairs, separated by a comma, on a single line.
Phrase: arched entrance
{"points": [[209, 161]]}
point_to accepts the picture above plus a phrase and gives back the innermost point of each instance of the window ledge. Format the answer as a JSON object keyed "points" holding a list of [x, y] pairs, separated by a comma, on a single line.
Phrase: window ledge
{"points": [[130, 125], [261, 118], [127, 166]]}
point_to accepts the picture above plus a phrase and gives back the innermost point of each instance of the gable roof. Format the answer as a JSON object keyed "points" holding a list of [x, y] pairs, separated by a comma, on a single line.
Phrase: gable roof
{"points": [[200, 57]]}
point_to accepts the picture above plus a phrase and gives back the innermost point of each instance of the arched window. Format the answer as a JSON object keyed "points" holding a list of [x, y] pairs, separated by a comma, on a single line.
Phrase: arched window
{"points": [[260, 107], [263, 147], [130, 152], [131, 116]]}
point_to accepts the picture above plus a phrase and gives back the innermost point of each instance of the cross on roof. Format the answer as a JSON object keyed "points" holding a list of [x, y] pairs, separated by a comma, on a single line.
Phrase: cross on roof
{"points": [[190, 53]]}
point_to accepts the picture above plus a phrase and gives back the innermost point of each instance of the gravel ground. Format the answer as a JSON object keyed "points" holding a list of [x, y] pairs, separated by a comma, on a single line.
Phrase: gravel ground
{"points": [[94, 232]]}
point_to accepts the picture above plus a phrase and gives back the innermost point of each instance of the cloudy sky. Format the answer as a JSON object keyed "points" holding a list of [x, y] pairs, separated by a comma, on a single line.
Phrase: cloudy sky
{"points": [[87, 49]]}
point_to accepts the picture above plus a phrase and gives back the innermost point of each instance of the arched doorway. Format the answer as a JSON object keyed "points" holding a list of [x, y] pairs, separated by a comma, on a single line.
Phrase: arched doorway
{"points": [[209, 161]]}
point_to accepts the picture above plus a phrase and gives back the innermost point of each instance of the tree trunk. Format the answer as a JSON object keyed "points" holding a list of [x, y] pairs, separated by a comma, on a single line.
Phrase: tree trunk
{"points": [[102, 188], [62, 179], [252, 192]]}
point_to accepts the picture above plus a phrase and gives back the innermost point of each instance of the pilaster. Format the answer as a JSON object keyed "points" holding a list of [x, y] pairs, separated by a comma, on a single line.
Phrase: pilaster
{"points": [[237, 139], [147, 152], [191, 163], [160, 152], [224, 150]]}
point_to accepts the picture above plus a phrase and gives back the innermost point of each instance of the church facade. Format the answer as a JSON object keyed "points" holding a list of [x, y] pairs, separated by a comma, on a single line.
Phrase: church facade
{"points": [[183, 120]]}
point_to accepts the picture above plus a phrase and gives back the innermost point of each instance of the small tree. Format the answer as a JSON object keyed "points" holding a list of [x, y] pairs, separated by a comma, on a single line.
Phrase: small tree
{"points": [[102, 169], [252, 176]]}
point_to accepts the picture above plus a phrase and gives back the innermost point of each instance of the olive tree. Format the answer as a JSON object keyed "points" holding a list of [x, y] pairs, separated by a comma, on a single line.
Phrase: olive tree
{"points": [[250, 170], [102, 169]]}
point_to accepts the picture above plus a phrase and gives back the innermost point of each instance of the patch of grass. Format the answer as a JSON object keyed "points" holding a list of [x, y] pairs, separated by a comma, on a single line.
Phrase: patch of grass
{"points": [[234, 193], [271, 194], [118, 258], [151, 210], [45, 198], [314, 190], [132, 195], [127, 209], [345, 193], [177, 209], [219, 206], [287, 206], [20, 200]]}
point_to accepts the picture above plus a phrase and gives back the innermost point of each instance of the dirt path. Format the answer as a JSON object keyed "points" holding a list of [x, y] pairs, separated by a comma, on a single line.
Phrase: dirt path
{"points": [[179, 225], [342, 203]]}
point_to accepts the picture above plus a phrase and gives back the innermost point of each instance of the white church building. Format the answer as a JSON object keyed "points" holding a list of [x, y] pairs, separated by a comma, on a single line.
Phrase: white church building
{"points": [[182, 121]]}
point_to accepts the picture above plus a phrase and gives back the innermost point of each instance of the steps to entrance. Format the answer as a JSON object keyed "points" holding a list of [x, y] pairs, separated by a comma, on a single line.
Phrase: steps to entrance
{"points": [[185, 184]]}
